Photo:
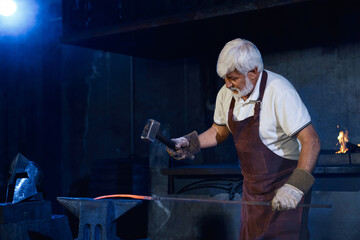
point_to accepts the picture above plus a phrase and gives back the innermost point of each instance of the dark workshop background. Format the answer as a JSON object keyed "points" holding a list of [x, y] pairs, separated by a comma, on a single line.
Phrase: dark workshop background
{"points": [[77, 87]]}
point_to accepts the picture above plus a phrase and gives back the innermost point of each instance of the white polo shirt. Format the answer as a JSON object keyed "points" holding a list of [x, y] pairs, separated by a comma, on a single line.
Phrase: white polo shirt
{"points": [[282, 114]]}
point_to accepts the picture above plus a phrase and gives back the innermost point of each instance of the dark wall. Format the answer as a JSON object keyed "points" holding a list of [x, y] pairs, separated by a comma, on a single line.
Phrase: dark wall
{"points": [[68, 107], [31, 101], [21, 98]]}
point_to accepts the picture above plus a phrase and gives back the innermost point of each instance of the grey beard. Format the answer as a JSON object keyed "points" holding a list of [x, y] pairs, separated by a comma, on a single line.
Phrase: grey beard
{"points": [[244, 92]]}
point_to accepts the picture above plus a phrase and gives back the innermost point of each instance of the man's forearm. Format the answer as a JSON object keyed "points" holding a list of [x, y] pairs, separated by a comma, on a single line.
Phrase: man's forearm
{"points": [[208, 138], [213, 136], [308, 156], [310, 148]]}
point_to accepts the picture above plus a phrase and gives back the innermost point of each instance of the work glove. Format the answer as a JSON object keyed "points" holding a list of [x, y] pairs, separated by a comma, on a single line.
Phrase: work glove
{"points": [[185, 147], [290, 194], [287, 197]]}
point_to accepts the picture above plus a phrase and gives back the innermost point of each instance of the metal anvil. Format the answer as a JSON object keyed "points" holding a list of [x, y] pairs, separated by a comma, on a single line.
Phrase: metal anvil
{"points": [[97, 217]]}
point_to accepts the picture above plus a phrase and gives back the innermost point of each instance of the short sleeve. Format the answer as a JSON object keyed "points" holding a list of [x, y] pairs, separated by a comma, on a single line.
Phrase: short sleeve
{"points": [[220, 113], [291, 113]]}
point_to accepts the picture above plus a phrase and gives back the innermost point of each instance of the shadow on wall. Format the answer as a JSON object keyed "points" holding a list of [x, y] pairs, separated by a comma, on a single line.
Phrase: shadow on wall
{"points": [[213, 227]]}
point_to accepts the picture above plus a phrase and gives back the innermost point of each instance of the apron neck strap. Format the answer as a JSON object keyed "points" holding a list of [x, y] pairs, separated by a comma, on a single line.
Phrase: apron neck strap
{"points": [[262, 85]]}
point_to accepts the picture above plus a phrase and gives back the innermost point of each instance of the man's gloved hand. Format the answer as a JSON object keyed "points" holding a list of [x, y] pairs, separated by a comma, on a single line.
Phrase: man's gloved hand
{"points": [[290, 194], [287, 197], [181, 144], [186, 147]]}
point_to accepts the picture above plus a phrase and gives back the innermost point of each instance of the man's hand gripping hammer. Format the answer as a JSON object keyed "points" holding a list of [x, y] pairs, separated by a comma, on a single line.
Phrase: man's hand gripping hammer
{"points": [[179, 148]]}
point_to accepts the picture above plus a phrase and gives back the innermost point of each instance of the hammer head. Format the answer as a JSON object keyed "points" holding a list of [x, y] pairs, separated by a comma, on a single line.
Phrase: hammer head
{"points": [[150, 130]]}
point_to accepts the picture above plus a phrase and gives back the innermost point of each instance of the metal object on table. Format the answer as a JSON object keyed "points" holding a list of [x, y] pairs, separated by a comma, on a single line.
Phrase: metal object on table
{"points": [[23, 181], [151, 132], [97, 218], [25, 215]]}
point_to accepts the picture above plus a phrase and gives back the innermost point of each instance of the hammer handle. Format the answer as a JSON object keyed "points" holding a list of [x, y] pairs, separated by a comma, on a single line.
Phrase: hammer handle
{"points": [[165, 140]]}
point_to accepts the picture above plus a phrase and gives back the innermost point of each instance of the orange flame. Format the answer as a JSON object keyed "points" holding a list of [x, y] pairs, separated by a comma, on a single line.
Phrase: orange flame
{"points": [[343, 139]]}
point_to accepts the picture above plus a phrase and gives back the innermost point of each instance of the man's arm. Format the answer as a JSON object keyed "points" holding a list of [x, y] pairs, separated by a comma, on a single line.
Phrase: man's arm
{"points": [[300, 182], [190, 144], [310, 148], [215, 135]]}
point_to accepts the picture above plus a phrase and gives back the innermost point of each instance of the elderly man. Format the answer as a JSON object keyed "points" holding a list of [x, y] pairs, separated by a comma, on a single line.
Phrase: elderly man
{"points": [[276, 143]]}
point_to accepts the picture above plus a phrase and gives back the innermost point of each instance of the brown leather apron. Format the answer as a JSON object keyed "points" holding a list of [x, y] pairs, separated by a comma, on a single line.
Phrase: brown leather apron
{"points": [[264, 172]]}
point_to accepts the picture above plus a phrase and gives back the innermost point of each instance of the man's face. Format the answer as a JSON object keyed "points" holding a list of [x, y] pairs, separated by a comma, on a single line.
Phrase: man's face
{"points": [[239, 84]]}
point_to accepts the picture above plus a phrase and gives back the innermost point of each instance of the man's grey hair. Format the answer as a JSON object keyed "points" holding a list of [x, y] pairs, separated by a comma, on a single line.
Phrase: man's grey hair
{"points": [[239, 54]]}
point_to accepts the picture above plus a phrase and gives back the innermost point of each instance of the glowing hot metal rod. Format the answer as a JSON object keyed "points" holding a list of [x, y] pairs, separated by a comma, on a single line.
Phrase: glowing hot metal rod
{"points": [[151, 198]]}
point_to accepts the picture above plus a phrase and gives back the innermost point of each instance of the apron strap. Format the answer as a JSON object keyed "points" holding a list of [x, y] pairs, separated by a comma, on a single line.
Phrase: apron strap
{"points": [[262, 90], [262, 85]]}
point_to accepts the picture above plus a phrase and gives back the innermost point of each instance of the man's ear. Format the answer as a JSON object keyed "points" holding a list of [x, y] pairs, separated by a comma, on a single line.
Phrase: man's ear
{"points": [[253, 74]]}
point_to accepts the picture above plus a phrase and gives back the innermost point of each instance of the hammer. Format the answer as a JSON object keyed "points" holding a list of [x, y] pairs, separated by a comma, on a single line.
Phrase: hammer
{"points": [[151, 131]]}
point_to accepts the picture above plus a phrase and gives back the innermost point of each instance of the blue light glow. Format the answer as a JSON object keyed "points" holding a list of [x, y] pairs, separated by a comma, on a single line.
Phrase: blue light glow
{"points": [[21, 21], [7, 7]]}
